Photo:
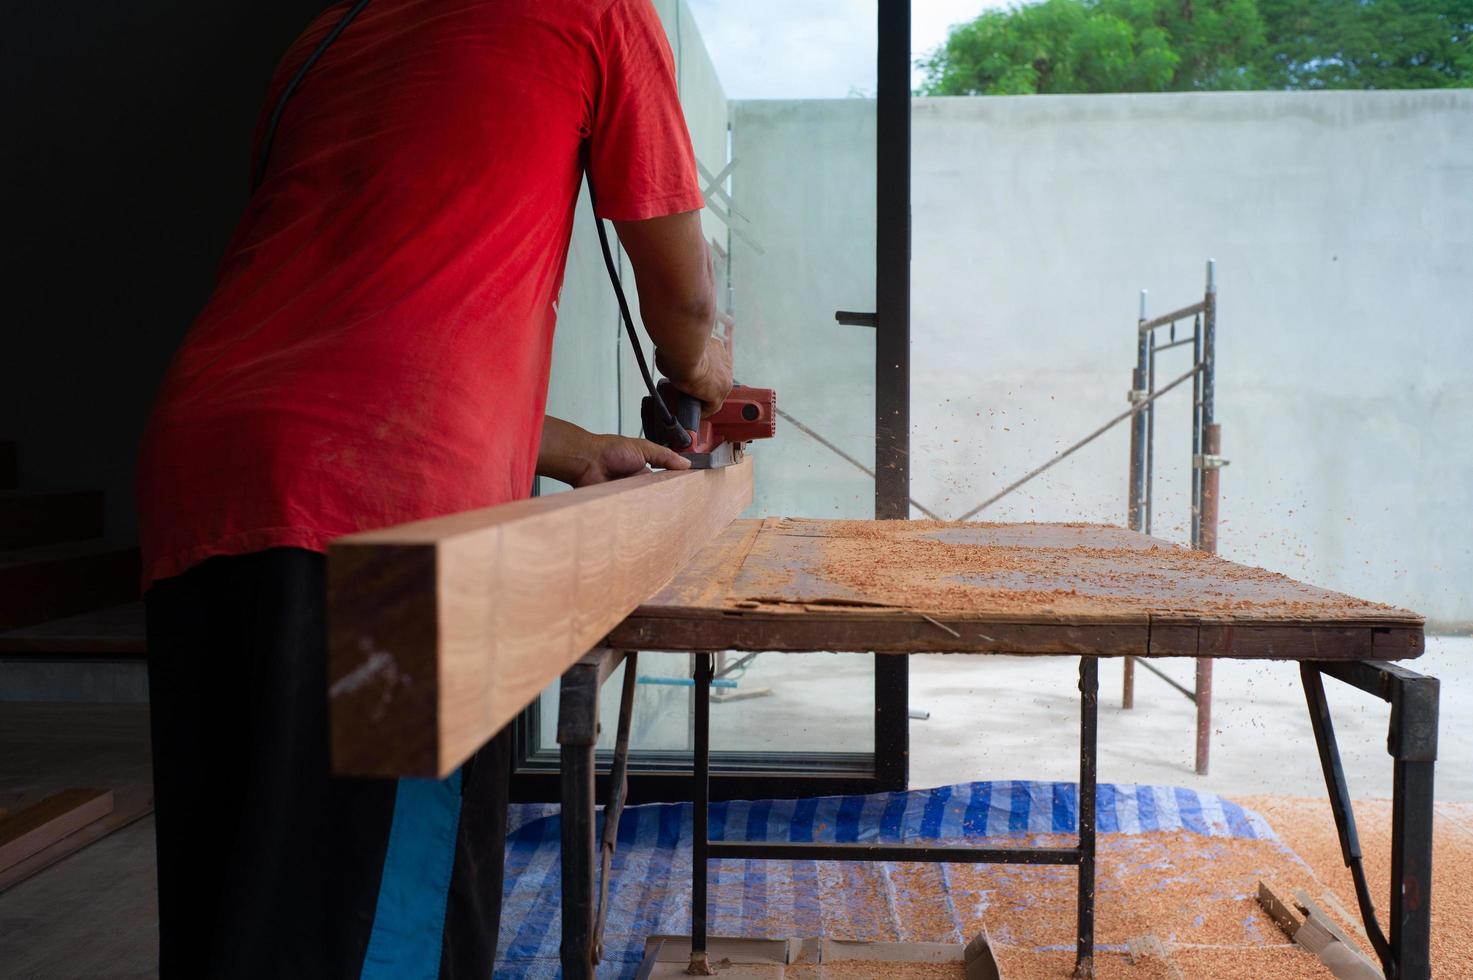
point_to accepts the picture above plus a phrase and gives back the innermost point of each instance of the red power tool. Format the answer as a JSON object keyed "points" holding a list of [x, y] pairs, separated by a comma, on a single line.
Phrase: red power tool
{"points": [[747, 414]]}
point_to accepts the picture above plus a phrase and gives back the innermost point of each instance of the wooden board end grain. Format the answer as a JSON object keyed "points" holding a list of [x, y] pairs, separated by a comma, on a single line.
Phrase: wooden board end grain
{"points": [[441, 631], [38, 827]]}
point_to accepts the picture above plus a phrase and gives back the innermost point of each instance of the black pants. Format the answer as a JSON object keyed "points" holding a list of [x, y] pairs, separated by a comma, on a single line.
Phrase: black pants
{"points": [[268, 867]]}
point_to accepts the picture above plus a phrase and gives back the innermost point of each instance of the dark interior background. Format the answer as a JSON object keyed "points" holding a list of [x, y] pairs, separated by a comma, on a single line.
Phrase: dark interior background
{"points": [[125, 165]]}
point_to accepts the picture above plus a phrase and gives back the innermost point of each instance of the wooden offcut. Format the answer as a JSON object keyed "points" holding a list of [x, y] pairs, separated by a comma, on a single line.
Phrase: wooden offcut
{"points": [[441, 631], [37, 827]]}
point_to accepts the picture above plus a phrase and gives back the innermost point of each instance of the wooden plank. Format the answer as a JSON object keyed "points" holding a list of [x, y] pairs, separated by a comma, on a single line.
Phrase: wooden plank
{"points": [[129, 806], [38, 827], [441, 631]]}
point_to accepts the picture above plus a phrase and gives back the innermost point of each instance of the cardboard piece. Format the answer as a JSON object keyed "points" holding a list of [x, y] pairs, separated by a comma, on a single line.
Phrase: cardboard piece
{"points": [[668, 957], [1316, 932]]}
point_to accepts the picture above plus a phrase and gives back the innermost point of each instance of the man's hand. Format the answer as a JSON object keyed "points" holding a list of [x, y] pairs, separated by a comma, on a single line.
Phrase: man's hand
{"points": [[580, 458], [710, 379]]}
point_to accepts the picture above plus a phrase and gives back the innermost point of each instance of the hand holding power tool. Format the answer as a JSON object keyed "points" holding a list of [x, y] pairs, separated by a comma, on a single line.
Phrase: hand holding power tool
{"points": [[716, 436], [710, 382]]}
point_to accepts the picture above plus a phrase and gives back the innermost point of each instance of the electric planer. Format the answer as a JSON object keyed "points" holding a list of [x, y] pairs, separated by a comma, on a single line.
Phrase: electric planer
{"points": [[675, 422]]}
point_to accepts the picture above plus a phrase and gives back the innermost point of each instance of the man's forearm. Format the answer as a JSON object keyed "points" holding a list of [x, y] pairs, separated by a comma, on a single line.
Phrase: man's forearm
{"points": [[563, 453], [677, 287], [679, 325]]}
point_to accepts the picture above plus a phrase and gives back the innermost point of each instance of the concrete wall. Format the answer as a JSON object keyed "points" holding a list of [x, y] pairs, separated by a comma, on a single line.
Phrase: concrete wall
{"points": [[1343, 228]]}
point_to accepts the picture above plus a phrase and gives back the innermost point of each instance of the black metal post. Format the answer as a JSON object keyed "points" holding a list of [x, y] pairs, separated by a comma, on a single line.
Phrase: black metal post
{"points": [[1089, 700], [577, 735], [892, 263], [892, 354], [1412, 743], [700, 841], [1340, 804]]}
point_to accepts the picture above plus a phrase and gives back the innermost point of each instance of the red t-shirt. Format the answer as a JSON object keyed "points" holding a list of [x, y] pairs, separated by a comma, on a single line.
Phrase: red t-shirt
{"points": [[377, 347]]}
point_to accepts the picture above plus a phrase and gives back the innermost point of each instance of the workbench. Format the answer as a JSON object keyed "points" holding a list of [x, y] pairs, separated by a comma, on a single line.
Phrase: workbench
{"points": [[900, 587]]}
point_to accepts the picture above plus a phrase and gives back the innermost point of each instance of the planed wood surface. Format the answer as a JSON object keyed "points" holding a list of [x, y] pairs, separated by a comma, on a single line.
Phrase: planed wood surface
{"points": [[441, 631], [37, 827], [926, 586]]}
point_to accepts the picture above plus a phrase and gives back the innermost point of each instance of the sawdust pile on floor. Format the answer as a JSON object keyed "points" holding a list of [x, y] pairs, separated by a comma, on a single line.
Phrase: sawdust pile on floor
{"points": [[1196, 894], [1308, 827], [929, 565]]}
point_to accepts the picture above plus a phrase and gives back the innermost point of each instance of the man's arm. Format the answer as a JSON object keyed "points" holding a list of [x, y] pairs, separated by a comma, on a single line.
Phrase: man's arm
{"points": [[580, 458], [677, 302]]}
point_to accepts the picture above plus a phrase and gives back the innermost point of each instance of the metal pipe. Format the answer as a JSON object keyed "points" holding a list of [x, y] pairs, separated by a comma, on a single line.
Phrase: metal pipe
{"points": [[1150, 491], [1169, 318], [700, 844], [1196, 499], [927, 853], [1211, 474], [1209, 346], [1211, 480], [1137, 428], [618, 792], [1175, 343], [1191, 695]]}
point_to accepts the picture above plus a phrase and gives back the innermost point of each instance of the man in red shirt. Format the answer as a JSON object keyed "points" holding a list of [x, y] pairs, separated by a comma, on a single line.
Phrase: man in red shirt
{"points": [[376, 351]]}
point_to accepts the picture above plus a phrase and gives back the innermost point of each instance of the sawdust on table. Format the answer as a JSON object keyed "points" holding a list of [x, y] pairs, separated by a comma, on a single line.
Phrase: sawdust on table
{"points": [[904, 564]]}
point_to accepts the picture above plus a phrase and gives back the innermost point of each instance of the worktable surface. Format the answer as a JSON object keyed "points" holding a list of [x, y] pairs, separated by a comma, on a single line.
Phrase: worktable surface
{"points": [[786, 584]]}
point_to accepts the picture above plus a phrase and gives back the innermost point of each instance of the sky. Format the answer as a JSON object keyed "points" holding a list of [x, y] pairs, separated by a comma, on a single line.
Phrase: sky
{"points": [[812, 49]]}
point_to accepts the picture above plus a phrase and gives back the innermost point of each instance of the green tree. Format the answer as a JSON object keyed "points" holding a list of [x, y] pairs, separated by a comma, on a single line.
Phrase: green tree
{"points": [[1367, 44], [1058, 46]]}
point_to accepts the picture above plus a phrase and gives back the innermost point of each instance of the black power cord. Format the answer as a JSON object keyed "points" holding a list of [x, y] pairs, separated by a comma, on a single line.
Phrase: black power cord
{"points": [[291, 87], [675, 433]]}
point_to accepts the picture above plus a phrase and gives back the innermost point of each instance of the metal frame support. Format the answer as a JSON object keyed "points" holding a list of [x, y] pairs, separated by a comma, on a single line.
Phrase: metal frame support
{"points": [[577, 735], [1206, 462], [704, 850], [1412, 743]]}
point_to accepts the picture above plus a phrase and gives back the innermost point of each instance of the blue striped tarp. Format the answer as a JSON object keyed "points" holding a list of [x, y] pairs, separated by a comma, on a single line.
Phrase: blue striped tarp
{"points": [[649, 889]]}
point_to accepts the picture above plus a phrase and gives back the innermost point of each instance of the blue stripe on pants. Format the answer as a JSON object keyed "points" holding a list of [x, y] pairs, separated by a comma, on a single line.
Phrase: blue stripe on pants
{"points": [[409, 920]]}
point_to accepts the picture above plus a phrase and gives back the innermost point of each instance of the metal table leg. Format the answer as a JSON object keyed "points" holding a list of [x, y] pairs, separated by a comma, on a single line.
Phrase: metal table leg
{"points": [[577, 734], [1412, 743], [1089, 701], [700, 964]]}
